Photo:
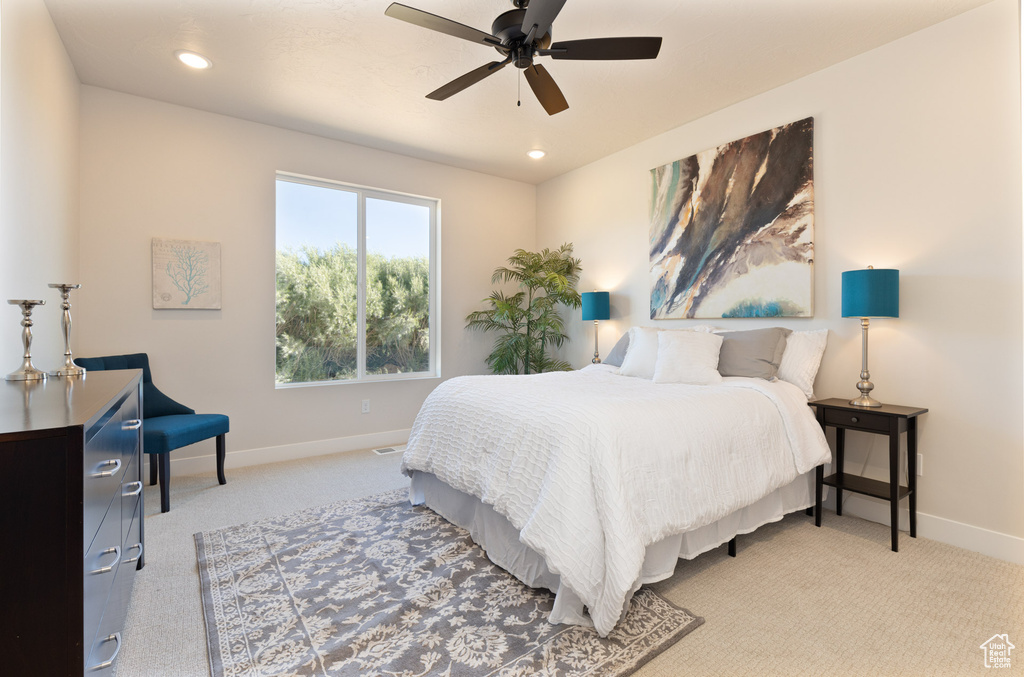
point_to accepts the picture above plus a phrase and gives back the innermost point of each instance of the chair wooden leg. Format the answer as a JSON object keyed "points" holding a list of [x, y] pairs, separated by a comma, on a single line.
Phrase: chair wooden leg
{"points": [[221, 453], [152, 470], [165, 481]]}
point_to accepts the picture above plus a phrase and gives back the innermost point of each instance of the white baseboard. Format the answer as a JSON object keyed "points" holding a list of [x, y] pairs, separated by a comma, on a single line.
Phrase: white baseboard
{"points": [[198, 465], [977, 539]]}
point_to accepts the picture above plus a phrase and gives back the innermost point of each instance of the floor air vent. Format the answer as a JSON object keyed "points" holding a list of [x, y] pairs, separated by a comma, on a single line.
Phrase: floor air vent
{"points": [[384, 451]]}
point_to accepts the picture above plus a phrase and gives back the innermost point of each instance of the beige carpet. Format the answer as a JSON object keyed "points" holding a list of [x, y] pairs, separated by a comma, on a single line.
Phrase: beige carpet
{"points": [[797, 601]]}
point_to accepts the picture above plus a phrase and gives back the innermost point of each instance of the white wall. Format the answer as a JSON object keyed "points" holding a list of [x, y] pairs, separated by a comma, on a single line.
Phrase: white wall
{"points": [[38, 179], [917, 167], [151, 169]]}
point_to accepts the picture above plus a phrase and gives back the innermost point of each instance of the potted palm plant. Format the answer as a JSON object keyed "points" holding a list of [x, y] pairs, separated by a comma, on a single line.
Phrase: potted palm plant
{"points": [[528, 323]]}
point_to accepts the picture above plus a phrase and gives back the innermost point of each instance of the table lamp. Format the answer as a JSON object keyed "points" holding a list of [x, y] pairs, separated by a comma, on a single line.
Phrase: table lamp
{"points": [[596, 307], [869, 293]]}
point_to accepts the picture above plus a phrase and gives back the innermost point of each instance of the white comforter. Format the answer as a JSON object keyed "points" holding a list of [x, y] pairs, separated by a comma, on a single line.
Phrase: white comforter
{"points": [[593, 467]]}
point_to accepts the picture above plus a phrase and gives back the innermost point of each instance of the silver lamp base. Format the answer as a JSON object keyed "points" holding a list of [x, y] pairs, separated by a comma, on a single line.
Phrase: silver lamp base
{"points": [[864, 385], [865, 401]]}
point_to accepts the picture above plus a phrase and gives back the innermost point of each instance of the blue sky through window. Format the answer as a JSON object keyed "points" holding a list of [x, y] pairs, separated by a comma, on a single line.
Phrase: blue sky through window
{"points": [[322, 217]]}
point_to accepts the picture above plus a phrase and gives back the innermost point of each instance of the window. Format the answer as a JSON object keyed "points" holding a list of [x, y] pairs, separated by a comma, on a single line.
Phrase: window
{"points": [[356, 283]]}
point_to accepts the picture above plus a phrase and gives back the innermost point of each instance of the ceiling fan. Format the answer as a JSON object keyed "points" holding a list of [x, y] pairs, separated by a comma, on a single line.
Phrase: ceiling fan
{"points": [[519, 35]]}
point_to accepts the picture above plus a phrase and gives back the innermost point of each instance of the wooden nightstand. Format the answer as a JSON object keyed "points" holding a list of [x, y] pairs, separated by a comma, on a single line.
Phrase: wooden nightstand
{"points": [[889, 419]]}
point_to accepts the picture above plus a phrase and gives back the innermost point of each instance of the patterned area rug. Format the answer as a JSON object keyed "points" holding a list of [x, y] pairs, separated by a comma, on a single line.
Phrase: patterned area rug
{"points": [[379, 587]]}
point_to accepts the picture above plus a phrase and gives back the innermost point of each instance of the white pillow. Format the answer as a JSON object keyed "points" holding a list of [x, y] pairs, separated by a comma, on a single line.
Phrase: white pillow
{"points": [[802, 358], [688, 357], [641, 354]]}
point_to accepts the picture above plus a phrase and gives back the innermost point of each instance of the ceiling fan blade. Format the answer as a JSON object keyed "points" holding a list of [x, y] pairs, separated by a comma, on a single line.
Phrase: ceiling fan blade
{"points": [[604, 49], [548, 93], [418, 17], [541, 13], [471, 78]]}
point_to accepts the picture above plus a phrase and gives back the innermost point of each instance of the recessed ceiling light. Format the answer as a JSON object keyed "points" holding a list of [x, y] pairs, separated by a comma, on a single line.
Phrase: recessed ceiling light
{"points": [[536, 154], [192, 59]]}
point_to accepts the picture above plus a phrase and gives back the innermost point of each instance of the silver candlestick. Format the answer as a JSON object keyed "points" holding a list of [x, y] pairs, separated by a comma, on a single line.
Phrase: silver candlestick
{"points": [[69, 368], [27, 371]]}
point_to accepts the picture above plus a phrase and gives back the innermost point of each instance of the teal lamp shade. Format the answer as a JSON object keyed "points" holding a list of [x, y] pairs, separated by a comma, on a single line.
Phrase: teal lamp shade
{"points": [[596, 305], [871, 293]]}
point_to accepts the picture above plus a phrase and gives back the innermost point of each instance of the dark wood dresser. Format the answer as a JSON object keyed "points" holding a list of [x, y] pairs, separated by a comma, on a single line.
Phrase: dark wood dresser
{"points": [[71, 493]]}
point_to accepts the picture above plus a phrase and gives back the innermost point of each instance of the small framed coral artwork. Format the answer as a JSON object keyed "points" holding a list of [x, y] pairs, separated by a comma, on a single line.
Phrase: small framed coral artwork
{"points": [[732, 229], [186, 274]]}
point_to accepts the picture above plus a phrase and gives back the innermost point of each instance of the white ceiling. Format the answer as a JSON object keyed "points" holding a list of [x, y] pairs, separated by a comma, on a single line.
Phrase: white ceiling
{"points": [[343, 70]]}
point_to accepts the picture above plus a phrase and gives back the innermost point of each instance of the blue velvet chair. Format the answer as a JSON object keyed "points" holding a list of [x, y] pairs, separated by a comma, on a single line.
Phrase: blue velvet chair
{"points": [[166, 424]]}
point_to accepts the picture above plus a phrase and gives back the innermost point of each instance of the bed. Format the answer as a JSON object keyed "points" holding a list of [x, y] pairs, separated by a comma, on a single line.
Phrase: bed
{"points": [[591, 483]]}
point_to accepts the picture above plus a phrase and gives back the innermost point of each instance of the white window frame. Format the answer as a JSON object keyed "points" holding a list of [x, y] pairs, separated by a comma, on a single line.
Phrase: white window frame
{"points": [[433, 278]]}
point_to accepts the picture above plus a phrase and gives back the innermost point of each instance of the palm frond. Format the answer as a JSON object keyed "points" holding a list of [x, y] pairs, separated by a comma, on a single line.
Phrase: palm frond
{"points": [[528, 321]]}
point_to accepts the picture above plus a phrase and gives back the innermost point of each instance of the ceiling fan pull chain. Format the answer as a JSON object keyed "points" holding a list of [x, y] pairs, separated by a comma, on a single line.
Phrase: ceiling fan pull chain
{"points": [[519, 91]]}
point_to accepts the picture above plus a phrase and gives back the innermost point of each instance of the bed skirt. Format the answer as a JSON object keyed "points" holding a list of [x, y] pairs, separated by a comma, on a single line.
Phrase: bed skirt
{"points": [[496, 535]]}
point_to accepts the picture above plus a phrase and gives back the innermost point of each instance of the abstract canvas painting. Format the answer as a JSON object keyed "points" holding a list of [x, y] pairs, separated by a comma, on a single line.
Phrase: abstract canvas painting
{"points": [[186, 274], [732, 229]]}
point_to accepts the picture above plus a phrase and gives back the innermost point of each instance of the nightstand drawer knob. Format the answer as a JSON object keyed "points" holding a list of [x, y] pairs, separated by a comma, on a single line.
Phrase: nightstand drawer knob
{"points": [[854, 419]]}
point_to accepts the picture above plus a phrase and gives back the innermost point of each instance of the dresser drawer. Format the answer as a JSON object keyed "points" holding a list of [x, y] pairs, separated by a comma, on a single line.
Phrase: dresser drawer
{"points": [[100, 567], [857, 420], [102, 650], [101, 654], [103, 657], [131, 548], [131, 493], [103, 469], [131, 427], [108, 451], [131, 553]]}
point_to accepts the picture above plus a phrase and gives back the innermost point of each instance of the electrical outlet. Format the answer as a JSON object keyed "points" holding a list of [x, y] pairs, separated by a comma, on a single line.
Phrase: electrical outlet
{"points": [[366, 406], [920, 464]]}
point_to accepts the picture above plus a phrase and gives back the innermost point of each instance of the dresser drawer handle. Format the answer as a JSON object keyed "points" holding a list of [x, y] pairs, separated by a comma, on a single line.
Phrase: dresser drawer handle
{"points": [[134, 492], [137, 546], [116, 462], [116, 637], [133, 424], [110, 567]]}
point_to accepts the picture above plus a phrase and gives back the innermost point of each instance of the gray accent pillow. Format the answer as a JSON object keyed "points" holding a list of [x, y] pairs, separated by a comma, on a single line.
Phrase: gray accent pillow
{"points": [[618, 353], [755, 353]]}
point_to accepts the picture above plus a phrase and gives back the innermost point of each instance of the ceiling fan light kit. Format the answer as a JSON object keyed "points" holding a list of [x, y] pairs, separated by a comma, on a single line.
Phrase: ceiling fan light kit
{"points": [[519, 35]]}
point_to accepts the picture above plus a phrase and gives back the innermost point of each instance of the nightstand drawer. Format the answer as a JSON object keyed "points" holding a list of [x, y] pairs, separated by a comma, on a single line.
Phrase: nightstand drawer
{"points": [[857, 420]]}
